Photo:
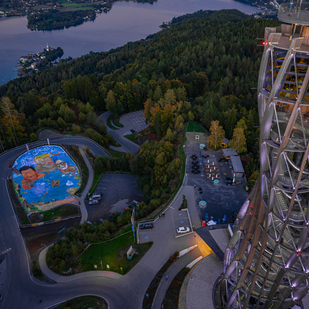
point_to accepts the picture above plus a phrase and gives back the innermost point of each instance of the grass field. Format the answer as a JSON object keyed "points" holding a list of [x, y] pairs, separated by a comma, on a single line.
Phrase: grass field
{"points": [[194, 126], [60, 212], [117, 123], [109, 123], [84, 302], [73, 6], [131, 137], [115, 153], [113, 253], [96, 179]]}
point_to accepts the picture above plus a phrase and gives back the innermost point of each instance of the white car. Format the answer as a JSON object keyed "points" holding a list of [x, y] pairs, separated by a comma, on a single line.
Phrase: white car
{"points": [[93, 201], [182, 229]]}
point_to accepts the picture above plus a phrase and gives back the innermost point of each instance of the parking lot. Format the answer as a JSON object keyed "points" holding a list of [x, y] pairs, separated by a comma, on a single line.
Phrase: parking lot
{"points": [[180, 218], [118, 190], [134, 121], [221, 199], [167, 224]]}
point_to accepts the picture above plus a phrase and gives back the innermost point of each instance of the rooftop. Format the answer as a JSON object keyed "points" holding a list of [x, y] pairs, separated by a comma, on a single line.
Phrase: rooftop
{"points": [[237, 165], [229, 152]]}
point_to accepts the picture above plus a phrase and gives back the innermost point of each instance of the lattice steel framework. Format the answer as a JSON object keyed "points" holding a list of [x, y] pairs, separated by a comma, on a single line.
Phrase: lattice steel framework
{"points": [[266, 264]]}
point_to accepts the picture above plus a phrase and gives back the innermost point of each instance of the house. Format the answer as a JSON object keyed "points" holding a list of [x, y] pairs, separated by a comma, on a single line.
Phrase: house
{"points": [[225, 142], [237, 166], [228, 152], [231, 154]]}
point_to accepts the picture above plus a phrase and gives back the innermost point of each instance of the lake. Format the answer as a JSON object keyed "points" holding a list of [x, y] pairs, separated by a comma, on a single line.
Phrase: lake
{"points": [[125, 22]]}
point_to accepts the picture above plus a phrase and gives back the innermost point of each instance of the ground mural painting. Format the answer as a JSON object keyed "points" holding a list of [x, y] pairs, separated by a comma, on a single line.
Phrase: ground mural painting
{"points": [[44, 178]]}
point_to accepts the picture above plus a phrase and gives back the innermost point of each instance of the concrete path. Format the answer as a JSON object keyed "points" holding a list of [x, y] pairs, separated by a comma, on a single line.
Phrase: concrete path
{"points": [[63, 279], [200, 284], [83, 209], [212, 242], [173, 270], [82, 206], [120, 149]]}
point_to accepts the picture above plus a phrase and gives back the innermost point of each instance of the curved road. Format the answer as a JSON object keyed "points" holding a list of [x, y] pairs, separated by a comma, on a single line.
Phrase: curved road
{"points": [[128, 124], [20, 290]]}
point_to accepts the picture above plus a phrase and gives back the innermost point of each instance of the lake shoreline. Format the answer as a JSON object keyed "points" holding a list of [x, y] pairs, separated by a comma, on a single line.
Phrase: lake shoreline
{"points": [[135, 21]]}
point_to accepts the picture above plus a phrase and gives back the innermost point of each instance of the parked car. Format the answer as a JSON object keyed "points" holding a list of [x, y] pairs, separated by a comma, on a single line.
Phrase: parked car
{"points": [[96, 196], [132, 131], [183, 229], [144, 226], [222, 160], [93, 201], [229, 181], [134, 203]]}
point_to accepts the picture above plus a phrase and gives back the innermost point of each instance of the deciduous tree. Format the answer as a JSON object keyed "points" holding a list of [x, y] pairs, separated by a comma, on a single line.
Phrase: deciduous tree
{"points": [[216, 134], [238, 142]]}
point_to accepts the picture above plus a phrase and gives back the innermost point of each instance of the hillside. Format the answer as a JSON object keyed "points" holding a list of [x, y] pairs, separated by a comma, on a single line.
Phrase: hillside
{"points": [[212, 56]]}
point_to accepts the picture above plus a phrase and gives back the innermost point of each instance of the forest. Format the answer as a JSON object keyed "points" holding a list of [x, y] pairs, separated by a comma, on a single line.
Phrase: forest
{"points": [[52, 19], [204, 68]]}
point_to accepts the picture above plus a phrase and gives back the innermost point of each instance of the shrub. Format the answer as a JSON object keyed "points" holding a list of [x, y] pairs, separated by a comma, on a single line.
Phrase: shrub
{"points": [[76, 128], [62, 123], [33, 137]]}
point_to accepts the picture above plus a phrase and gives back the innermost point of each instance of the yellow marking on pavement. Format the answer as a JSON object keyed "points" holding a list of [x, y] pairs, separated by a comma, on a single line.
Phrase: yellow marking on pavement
{"points": [[204, 248]]}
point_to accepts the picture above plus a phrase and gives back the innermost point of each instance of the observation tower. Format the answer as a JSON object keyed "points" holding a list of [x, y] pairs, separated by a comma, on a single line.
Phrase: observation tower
{"points": [[266, 263]]}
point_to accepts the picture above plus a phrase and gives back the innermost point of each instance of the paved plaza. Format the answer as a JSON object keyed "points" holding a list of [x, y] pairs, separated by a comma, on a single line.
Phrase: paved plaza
{"points": [[220, 199]]}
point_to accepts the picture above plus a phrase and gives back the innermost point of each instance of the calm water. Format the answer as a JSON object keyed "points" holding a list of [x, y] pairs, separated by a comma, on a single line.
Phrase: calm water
{"points": [[127, 21]]}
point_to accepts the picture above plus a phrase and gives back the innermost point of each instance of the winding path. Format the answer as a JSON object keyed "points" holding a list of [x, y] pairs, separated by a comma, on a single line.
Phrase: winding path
{"points": [[21, 290], [129, 121]]}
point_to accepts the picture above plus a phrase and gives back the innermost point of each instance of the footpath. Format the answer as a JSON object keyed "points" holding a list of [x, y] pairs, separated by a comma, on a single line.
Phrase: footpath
{"points": [[81, 200], [173, 270], [63, 279]]}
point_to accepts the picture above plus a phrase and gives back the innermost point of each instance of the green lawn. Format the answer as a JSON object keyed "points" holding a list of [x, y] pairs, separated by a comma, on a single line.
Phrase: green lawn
{"points": [[113, 253], [60, 212], [84, 302], [117, 123], [115, 144], [115, 153], [194, 126], [73, 6], [132, 137], [96, 179], [109, 123]]}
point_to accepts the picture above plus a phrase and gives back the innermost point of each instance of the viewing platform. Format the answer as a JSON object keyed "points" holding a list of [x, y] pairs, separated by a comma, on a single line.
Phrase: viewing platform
{"points": [[294, 13]]}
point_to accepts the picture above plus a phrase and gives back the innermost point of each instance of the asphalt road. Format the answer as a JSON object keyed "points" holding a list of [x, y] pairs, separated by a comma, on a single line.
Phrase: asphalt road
{"points": [[129, 122], [20, 290]]}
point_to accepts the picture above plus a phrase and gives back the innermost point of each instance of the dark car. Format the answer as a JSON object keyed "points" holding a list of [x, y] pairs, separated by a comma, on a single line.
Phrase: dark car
{"points": [[229, 181], [134, 204], [144, 226], [132, 131]]}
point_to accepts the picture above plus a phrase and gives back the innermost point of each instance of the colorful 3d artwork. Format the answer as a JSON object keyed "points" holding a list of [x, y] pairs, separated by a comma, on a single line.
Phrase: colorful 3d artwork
{"points": [[44, 178]]}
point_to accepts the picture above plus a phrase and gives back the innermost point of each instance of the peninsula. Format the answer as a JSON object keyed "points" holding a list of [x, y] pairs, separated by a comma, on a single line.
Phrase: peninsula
{"points": [[34, 63], [52, 15]]}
